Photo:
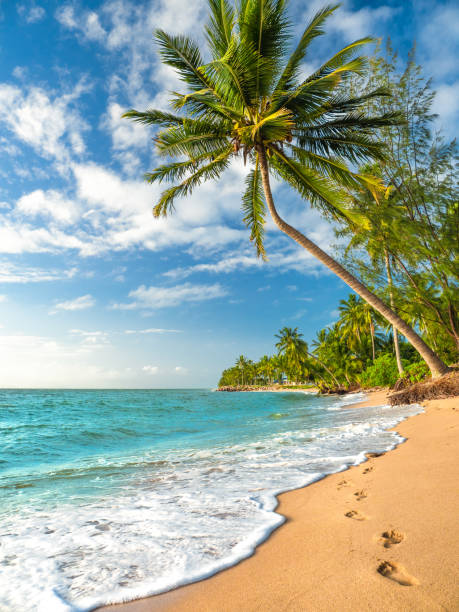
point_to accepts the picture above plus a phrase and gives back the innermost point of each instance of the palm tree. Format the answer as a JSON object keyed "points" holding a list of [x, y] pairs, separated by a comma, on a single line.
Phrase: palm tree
{"points": [[293, 348], [251, 100], [356, 317], [242, 363]]}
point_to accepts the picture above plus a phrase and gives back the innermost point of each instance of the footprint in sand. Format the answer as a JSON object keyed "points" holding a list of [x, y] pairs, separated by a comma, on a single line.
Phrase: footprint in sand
{"points": [[368, 469], [391, 537], [397, 573], [361, 494], [356, 515], [343, 483]]}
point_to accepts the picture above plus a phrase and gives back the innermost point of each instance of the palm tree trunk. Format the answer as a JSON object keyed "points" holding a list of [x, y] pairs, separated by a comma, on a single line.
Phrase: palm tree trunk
{"points": [[372, 334], [436, 365], [392, 305]]}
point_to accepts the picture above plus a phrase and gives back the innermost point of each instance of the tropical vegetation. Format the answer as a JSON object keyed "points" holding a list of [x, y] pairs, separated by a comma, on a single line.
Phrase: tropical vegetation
{"points": [[251, 99], [355, 351]]}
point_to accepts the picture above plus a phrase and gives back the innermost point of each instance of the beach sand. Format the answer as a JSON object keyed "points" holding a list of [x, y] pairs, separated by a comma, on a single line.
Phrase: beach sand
{"points": [[397, 513]]}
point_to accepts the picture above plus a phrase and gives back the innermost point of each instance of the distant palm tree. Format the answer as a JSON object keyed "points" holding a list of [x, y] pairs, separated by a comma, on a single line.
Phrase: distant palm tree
{"points": [[357, 318], [242, 363], [251, 100], [293, 347]]}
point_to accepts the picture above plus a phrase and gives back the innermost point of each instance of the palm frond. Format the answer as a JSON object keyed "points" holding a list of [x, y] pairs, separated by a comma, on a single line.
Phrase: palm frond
{"points": [[153, 117], [315, 89], [204, 106], [353, 145], [219, 29], [334, 168], [275, 126], [182, 54], [313, 30], [323, 193], [309, 183], [175, 171], [191, 139], [254, 208], [344, 56], [264, 24], [210, 171]]}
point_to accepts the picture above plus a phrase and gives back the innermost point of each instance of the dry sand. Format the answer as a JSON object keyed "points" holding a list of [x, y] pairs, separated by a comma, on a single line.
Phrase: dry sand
{"points": [[382, 536]]}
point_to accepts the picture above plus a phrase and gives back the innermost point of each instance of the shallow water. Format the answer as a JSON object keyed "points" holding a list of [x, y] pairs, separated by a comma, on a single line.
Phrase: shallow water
{"points": [[110, 495]]}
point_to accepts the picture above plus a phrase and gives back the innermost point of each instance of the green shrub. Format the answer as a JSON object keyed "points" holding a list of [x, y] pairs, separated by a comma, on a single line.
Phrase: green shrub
{"points": [[416, 371], [382, 373]]}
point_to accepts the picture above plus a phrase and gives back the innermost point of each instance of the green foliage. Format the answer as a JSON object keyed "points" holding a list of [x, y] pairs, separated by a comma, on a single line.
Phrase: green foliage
{"points": [[383, 373], [416, 371], [408, 248]]}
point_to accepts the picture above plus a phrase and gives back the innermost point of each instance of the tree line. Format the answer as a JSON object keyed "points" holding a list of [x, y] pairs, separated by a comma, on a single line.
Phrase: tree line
{"points": [[357, 350]]}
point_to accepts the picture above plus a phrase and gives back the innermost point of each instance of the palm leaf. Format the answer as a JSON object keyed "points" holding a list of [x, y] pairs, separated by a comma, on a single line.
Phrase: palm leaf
{"points": [[219, 30], [210, 171], [254, 208], [313, 30]]}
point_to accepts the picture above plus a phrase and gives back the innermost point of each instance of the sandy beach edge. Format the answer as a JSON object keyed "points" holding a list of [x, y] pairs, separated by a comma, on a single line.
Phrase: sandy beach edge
{"points": [[380, 536]]}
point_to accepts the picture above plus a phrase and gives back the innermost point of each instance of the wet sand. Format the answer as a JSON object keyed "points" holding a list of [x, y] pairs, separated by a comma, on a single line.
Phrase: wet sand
{"points": [[382, 536]]}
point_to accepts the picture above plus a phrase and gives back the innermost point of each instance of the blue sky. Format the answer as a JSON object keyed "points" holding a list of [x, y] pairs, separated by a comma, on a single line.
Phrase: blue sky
{"points": [[94, 292]]}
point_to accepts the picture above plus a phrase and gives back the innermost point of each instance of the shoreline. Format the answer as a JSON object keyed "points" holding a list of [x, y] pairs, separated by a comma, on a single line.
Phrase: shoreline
{"points": [[332, 543], [266, 389]]}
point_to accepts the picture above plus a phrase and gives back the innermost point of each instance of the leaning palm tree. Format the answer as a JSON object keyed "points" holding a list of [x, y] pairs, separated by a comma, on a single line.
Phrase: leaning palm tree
{"points": [[251, 100]]}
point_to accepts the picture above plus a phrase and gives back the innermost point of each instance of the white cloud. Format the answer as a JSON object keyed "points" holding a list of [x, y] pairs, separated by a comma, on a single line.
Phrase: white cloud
{"points": [[181, 370], [289, 258], [125, 28], [151, 298], [31, 14], [52, 126], [66, 16], [49, 204], [91, 339], [352, 24], [446, 105], [2, 297], [360, 23], [439, 35], [152, 330], [150, 369], [125, 134], [80, 303], [13, 273]]}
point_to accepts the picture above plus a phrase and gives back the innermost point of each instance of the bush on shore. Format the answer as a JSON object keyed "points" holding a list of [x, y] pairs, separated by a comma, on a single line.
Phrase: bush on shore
{"points": [[382, 373]]}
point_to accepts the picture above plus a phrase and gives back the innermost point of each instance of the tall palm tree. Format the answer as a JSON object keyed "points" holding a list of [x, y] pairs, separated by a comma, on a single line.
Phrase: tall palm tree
{"points": [[251, 100]]}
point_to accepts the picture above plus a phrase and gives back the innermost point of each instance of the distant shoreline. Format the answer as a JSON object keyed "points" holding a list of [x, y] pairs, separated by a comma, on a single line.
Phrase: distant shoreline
{"points": [[268, 388]]}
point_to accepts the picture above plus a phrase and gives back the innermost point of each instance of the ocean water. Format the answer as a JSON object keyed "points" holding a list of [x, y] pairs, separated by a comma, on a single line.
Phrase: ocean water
{"points": [[106, 496]]}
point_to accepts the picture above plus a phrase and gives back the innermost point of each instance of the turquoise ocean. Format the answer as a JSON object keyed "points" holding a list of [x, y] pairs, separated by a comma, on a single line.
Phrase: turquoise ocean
{"points": [[107, 496]]}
